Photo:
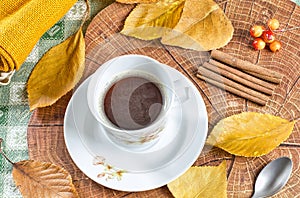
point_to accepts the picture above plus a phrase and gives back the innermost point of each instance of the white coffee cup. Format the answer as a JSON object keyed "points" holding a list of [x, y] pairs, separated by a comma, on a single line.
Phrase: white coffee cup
{"points": [[119, 68]]}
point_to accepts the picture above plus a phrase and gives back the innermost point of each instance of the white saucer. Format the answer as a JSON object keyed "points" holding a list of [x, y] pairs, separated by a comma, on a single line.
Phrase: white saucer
{"points": [[120, 169]]}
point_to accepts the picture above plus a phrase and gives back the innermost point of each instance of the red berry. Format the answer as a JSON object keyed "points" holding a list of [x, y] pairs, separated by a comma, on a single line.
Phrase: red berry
{"points": [[273, 24], [268, 36], [258, 44], [275, 46], [256, 31]]}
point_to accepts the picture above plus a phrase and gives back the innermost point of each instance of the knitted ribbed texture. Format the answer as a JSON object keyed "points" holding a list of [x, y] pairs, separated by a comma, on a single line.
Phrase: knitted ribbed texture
{"points": [[22, 23]]}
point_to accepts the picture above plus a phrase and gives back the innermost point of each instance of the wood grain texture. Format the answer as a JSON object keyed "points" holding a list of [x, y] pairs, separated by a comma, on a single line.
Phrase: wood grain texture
{"points": [[103, 42]]}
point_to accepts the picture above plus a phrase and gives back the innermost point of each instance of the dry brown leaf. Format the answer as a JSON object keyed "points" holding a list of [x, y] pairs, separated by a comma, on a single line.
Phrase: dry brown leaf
{"points": [[250, 134], [57, 72], [40, 179], [203, 26], [202, 182], [151, 21], [136, 1]]}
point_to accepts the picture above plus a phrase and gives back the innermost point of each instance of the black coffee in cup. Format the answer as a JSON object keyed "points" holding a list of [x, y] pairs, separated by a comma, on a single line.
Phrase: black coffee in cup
{"points": [[133, 102]]}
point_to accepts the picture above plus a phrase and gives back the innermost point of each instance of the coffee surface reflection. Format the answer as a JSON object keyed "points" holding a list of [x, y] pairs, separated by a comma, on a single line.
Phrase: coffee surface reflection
{"points": [[133, 103]]}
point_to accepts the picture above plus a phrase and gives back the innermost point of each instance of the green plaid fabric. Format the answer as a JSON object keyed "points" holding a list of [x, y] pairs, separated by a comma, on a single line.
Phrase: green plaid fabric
{"points": [[14, 109]]}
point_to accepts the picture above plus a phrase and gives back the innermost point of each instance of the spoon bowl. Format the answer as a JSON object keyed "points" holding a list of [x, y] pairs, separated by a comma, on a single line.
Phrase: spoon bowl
{"points": [[273, 177]]}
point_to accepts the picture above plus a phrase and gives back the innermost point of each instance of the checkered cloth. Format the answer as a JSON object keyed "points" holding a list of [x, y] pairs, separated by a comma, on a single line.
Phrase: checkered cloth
{"points": [[14, 109]]}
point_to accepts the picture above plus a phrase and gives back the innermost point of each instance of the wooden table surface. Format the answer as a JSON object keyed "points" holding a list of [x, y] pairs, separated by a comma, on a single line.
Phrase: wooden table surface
{"points": [[103, 42]]}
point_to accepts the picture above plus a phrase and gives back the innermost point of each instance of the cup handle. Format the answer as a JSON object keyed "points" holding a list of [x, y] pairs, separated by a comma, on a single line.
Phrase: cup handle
{"points": [[182, 91]]}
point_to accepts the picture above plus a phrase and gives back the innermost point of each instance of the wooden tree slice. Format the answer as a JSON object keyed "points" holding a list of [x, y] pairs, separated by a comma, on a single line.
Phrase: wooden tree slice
{"points": [[103, 42]]}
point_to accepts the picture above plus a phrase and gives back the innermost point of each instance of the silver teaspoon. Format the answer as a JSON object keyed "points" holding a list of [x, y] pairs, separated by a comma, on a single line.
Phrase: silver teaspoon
{"points": [[273, 177]]}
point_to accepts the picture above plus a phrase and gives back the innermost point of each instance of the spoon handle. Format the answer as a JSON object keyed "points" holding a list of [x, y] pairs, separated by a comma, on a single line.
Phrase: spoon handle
{"points": [[255, 195]]}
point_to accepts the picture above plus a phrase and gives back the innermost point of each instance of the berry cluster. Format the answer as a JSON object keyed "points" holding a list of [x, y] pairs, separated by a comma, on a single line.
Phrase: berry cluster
{"points": [[265, 36]]}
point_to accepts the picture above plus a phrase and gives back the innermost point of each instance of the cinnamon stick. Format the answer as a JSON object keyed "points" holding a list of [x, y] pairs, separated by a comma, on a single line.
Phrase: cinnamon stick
{"points": [[232, 90], [231, 86], [249, 67], [241, 77], [267, 78]]}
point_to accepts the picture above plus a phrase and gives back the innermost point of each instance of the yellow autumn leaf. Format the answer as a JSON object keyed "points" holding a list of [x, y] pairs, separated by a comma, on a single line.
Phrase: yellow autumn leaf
{"points": [[203, 26], [250, 134], [136, 1], [41, 179], [57, 72], [201, 182], [149, 21]]}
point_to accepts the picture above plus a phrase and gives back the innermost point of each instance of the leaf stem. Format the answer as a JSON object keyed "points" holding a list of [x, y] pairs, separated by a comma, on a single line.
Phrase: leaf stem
{"points": [[3, 154]]}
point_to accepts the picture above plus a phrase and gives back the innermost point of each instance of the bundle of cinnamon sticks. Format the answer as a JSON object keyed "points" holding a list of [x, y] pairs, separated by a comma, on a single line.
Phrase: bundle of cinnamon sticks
{"points": [[239, 77]]}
